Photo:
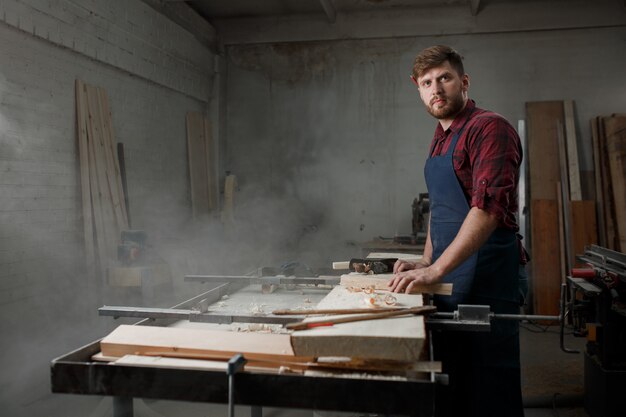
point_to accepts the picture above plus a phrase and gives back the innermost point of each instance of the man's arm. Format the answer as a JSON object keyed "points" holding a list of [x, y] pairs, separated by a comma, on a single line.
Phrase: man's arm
{"points": [[474, 232]]}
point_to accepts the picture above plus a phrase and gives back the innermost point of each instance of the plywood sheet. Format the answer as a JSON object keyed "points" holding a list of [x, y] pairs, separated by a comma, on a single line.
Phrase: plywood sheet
{"points": [[399, 339], [546, 277], [543, 151], [129, 340]]}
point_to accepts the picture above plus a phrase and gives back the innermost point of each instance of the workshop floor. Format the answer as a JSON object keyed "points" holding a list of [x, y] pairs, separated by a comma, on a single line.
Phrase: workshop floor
{"points": [[552, 384], [552, 380]]}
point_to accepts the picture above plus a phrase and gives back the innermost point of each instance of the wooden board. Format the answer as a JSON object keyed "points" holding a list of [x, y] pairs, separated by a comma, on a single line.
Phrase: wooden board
{"points": [[210, 166], [573, 169], [584, 226], [83, 148], [543, 152], [380, 282], [104, 208], [607, 189], [400, 339], [175, 363], [599, 196], [198, 174], [388, 255], [615, 132], [546, 277], [130, 340], [563, 199]]}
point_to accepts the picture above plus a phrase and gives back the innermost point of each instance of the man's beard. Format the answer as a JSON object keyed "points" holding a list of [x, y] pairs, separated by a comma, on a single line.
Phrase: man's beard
{"points": [[454, 104]]}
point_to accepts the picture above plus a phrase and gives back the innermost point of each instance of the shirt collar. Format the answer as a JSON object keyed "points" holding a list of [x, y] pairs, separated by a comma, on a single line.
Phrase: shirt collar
{"points": [[459, 120]]}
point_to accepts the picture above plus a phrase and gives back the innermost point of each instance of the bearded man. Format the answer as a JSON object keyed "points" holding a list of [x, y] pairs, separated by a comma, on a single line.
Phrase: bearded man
{"points": [[472, 175]]}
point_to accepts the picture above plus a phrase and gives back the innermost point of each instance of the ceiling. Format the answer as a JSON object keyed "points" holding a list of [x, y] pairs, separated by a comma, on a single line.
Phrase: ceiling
{"points": [[230, 22], [217, 10]]}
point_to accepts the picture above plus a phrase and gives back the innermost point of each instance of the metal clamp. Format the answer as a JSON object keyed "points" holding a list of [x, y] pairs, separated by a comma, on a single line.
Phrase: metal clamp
{"points": [[235, 364]]}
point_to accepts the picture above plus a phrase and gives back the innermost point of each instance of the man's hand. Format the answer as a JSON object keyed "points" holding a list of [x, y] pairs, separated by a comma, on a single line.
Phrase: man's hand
{"points": [[407, 274]]}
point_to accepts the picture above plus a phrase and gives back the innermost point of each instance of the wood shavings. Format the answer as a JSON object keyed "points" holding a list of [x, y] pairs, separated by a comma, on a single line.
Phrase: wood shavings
{"points": [[257, 328], [256, 309], [354, 289], [307, 300], [390, 300], [221, 304], [372, 300], [225, 297], [355, 375], [370, 290]]}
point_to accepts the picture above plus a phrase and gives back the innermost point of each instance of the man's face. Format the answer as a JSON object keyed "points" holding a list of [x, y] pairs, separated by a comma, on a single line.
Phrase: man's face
{"points": [[443, 91]]}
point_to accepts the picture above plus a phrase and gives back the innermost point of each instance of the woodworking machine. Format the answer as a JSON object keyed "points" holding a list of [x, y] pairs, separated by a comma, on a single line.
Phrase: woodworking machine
{"points": [[414, 395], [598, 307]]}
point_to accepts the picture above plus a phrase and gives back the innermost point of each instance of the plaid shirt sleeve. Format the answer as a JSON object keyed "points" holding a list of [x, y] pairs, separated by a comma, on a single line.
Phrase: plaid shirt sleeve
{"points": [[489, 163]]}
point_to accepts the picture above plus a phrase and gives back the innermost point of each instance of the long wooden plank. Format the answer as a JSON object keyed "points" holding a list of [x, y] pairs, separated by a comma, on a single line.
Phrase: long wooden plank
{"points": [[616, 150], [565, 198], [269, 367], [83, 150], [607, 189], [380, 281], [102, 184], [543, 152], [114, 176], [573, 168], [399, 339], [96, 195], [196, 151], [559, 201], [210, 166], [598, 181], [151, 340], [351, 318], [546, 277]]}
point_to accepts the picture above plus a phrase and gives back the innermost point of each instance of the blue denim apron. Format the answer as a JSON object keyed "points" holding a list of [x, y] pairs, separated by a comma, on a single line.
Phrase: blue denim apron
{"points": [[484, 368]]}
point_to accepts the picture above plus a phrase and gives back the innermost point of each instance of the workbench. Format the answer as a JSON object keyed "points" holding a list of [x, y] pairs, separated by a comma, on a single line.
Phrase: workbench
{"points": [[77, 373]]}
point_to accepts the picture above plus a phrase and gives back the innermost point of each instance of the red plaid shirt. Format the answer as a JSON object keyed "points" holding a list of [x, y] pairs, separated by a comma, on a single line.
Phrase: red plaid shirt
{"points": [[486, 159]]}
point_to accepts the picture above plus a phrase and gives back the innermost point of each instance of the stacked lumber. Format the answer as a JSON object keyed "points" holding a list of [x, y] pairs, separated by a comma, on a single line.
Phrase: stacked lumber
{"points": [[201, 165], [104, 209], [609, 148], [562, 216]]}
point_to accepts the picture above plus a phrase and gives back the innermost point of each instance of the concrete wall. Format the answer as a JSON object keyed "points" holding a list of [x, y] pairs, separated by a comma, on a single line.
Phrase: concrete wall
{"points": [[336, 129], [154, 72]]}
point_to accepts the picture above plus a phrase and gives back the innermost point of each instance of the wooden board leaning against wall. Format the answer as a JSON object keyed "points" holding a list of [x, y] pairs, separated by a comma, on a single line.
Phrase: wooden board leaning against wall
{"points": [[545, 171], [609, 140], [104, 208], [200, 152]]}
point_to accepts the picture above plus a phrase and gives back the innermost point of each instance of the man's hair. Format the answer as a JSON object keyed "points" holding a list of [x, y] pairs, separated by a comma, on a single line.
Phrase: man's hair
{"points": [[435, 56]]}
